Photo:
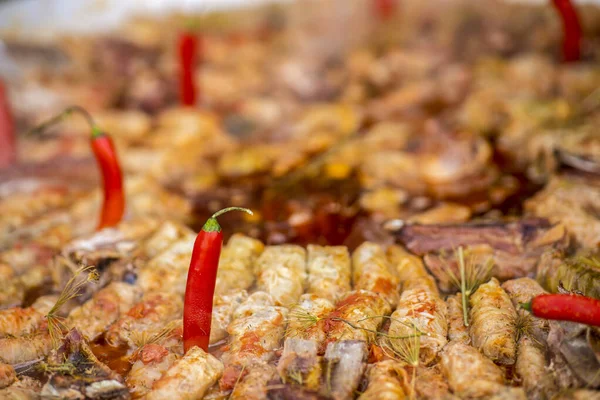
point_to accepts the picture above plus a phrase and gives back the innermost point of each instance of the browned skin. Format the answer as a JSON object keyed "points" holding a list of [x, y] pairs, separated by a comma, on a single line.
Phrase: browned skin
{"points": [[515, 247]]}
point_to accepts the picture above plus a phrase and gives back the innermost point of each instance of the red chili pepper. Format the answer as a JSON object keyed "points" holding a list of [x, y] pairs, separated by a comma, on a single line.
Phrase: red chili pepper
{"points": [[565, 307], [8, 151], [113, 207], [200, 287], [572, 30], [384, 9], [104, 150], [188, 46]]}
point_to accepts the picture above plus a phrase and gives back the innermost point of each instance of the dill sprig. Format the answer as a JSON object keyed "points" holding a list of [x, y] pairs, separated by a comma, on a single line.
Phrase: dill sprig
{"points": [[472, 273], [239, 378], [306, 320], [56, 323], [408, 350], [302, 318], [140, 339]]}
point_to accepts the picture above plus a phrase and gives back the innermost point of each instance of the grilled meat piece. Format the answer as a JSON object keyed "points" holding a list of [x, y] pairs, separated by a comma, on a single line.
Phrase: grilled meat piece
{"points": [[580, 272], [522, 290], [457, 331], [364, 310], [189, 378], [167, 272], [223, 308], [255, 383], [410, 270], [420, 311], [493, 323], [386, 380], [281, 271], [17, 350], [7, 375], [150, 315], [515, 247], [152, 361], [19, 321], [106, 306], [531, 368], [255, 332], [76, 373], [345, 363], [237, 263], [307, 319], [329, 271], [469, 373], [574, 202], [371, 271], [25, 388], [299, 363]]}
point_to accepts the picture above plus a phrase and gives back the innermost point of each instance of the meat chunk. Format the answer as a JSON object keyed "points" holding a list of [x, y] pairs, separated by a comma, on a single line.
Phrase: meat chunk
{"points": [[515, 247], [386, 380], [364, 310], [147, 317], [166, 234], [189, 378], [299, 363], [224, 306], [522, 290], [25, 388], [410, 270], [307, 319], [16, 350], [531, 368], [96, 315], [256, 331], [371, 271], [254, 384], [151, 362], [329, 271], [19, 321], [7, 375], [574, 202], [167, 272], [345, 364], [469, 373], [236, 265], [493, 323], [420, 311], [85, 377], [457, 331], [281, 271]]}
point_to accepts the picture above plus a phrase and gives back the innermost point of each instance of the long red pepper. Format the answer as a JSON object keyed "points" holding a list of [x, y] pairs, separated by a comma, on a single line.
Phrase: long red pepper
{"points": [[384, 9], [113, 207], [188, 46], [8, 151], [572, 30], [200, 287], [104, 150], [565, 307]]}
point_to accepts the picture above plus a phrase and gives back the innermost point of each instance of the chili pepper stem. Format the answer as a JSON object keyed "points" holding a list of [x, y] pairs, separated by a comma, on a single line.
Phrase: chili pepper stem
{"points": [[104, 150], [65, 113], [526, 306]]}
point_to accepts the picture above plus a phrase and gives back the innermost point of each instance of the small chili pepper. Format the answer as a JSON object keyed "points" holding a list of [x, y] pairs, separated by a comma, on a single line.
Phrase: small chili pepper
{"points": [[104, 150], [384, 9], [188, 47], [571, 46], [8, 151], [565, 307], [201, 280]]}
